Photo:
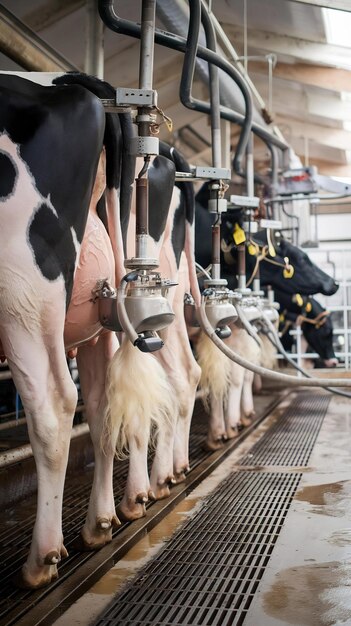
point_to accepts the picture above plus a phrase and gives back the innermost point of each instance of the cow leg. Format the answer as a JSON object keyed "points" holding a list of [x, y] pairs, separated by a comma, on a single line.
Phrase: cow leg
{"points": [[247, 404], [92, 363], [49, 398], [172, 452], [137, 490], [216, 425], [232, 409]]}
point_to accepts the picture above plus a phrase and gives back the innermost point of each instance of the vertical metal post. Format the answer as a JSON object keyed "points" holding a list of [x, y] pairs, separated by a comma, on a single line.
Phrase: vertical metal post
{"points": [[216, 250], [146, 62], [250, 176], [146, 67], [94, 41], [241, 266]]}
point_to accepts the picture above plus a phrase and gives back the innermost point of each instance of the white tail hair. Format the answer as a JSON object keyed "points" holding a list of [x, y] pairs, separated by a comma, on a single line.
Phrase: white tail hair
{"points": [[215, 368], [137, 385]]}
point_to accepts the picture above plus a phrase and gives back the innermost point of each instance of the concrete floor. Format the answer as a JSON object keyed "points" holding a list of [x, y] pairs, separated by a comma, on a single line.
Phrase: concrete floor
{"points": [[308, 578]]}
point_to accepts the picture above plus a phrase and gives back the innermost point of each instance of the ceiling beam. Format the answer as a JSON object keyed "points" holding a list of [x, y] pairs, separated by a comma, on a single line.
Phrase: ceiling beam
{"points": [[22, 45], [329, 168], [331, 137], [328, 107], [302, 49], [340, 5], [51, 12], [329, 78]]}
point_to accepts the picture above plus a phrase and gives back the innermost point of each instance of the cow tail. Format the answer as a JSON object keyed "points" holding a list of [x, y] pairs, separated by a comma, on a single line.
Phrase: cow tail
{"points": [[136, 387]]}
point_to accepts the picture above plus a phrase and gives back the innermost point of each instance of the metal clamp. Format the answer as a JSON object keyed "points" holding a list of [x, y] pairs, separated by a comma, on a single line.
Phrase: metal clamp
{"points": [[136, 97]]}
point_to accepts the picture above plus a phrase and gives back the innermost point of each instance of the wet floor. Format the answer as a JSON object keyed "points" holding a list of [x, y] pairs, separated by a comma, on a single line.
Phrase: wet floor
{"points": [[308, 580]]}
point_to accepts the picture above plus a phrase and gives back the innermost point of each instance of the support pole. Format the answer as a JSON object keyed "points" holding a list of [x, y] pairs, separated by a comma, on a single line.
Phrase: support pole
{"points": [[94, 41]]}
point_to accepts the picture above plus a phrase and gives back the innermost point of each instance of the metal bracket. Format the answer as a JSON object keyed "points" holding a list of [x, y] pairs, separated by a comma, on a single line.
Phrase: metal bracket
{"points": [[136, 97], [273, 224], [200, 172], [244, 202]]}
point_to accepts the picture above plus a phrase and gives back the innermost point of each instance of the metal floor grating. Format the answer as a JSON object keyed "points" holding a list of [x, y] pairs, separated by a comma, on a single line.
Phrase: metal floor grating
{"points": [[290, 440], [208, 572], [17, 524]]}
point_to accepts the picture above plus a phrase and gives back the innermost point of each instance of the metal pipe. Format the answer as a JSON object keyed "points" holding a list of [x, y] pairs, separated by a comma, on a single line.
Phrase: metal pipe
{"points": [[250, 187], [94, 41], [214, 92], [241, 250], [25, 452], [188, 73], [175, 42], [292, 381], [141, 213], [146, 61], [22, 45], [273, 337], [216, 249]]}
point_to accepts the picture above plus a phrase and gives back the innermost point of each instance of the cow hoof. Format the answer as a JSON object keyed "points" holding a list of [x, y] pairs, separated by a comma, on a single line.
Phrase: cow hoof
{"points": [[210, 445], [52, 558], [162, 491], [98, 536], [25, 580], [132, 512], [105, 523], [180, 477], [247, 420], [233, 432], [141, 498]]}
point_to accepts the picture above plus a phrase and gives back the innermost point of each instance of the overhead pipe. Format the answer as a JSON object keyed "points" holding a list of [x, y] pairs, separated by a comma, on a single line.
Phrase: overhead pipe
{"points": [[22, 45], [175, 42], [188, 72]]}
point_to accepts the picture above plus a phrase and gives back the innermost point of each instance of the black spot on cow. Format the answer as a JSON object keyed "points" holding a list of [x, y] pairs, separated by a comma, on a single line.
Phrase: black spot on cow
{"points": [[52, 244], [161, 182], [8, 176]]}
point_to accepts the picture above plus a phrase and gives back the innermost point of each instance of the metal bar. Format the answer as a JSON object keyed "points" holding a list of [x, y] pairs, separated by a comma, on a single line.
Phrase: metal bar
{"points": [[22, 45], [94, 41], [26, 452], [146, 62]]}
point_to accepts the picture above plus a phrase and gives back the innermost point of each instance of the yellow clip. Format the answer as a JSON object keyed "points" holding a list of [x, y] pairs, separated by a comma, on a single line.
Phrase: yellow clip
{"points": [[308, 307], [299, 299], [281, 317], [288, 271], [238, 235], [251, 248]]}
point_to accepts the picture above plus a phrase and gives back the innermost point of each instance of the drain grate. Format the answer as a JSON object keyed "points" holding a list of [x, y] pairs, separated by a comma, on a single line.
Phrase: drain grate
{"points": [[291, 439], [209, 571]]}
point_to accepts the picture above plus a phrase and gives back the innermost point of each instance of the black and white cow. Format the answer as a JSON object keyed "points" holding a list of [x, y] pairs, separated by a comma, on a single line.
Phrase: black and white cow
{"points": [[315, 322], [62, 168]]}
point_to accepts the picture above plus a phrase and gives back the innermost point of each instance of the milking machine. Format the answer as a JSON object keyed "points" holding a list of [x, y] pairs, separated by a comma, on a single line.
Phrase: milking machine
{"points": [[140, 307]]}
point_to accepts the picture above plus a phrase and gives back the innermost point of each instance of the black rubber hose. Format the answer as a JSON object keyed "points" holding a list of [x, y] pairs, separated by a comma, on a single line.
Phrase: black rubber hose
{"points": [[175, 42]]}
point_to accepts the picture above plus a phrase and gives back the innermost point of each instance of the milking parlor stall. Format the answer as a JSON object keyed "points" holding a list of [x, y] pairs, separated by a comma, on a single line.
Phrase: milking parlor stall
{"points": [[175, 306]]}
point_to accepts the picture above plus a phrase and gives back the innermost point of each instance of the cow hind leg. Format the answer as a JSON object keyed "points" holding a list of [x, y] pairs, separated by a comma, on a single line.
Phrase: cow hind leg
{"points": [[247, 404], [232, 407], [101, 518], [49, 398], [215, 377], [139, 396]]}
